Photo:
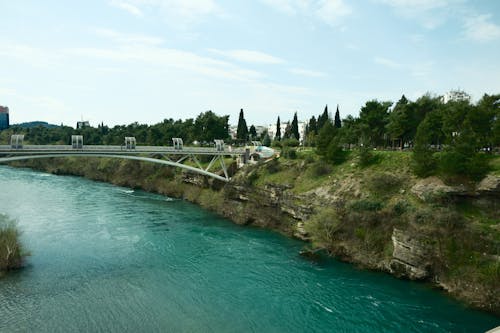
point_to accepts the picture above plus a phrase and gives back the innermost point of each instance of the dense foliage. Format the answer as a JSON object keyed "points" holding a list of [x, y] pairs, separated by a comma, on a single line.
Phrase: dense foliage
{"points": [[204, 129], [449, 139]]}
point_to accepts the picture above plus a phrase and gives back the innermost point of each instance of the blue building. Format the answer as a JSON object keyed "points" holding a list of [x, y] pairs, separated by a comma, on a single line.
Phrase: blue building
{"points": [[4, 117]]}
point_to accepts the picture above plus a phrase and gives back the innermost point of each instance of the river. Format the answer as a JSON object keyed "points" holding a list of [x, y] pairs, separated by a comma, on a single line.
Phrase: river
{"points": [[107, 258]]}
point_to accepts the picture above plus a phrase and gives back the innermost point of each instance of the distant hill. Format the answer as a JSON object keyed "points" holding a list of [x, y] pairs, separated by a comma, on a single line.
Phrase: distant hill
{"points": [[32, 124]]}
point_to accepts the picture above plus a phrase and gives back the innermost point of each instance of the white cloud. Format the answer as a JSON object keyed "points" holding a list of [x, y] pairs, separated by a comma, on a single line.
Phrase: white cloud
{"points": [[164, 58], [249, 56], [128, 38], [29, 55], [177, 13], [127, 7], [288, 6], [330, 11], [306, 72], [429, 13], [416, 4], [479, 28], [387, 62]]}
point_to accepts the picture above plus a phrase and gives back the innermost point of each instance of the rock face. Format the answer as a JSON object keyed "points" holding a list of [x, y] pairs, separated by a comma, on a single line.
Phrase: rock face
{"points": [[433, 188], [489, 185], [410, 258], [269, 206]]}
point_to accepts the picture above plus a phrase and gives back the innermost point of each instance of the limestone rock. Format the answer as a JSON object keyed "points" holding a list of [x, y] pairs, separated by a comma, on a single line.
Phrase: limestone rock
{"points": [[489, 185], [410, 257], [432, 188]]}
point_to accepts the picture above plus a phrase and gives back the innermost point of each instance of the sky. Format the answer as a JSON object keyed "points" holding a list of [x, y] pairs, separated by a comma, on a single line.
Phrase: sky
{"points": [[122, 61]]}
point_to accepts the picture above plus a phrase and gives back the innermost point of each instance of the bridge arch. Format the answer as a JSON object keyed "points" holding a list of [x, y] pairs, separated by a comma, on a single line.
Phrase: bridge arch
{"points": [[127, 157]]}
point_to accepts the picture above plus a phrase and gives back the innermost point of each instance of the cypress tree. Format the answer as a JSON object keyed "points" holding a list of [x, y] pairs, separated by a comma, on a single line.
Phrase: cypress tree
{"points": [[337, 123], [278, 130], [295, 127], [242, 131], [312, 127], [253, 132], [323, 118]]}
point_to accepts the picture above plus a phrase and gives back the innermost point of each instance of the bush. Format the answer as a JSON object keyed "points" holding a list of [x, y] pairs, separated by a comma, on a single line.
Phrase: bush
{"points": [[323, 226], [321, 168], [366, 156], [289, 153], [11, 252], [366, 205], [273, 166], [384, 183], [424, 163], [335, 153], [292, 142]]}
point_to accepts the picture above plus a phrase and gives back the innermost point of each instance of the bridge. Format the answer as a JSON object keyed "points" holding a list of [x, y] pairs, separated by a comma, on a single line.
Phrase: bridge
{"points": [[175, 155]]}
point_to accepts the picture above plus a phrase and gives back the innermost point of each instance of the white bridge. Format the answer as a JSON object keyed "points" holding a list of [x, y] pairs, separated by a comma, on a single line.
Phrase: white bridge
{"points": [[175, 155]]}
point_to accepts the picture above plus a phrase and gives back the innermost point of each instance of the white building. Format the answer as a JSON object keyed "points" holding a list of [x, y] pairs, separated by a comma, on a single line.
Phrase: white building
{"points": [[271, 130], [455, 96]]}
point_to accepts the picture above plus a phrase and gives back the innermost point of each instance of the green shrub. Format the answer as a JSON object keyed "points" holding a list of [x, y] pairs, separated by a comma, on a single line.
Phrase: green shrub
{"points": [[321, 168], [366, 205], [289, 153], [11, 252], [273, 166], [400, 208], [323, 226], [292, 142], [366, 156], [335, 153], [384, 183]]}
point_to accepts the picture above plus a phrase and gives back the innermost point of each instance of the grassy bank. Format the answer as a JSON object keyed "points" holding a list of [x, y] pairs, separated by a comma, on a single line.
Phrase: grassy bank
{"points": [[11, 251]]}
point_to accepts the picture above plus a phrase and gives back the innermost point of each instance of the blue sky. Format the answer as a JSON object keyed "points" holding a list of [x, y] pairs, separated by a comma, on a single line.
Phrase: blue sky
{"points": [[120, 61]]}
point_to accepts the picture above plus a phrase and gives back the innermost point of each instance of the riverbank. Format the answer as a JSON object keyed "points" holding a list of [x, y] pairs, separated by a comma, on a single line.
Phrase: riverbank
{"points": [[377, 216]]}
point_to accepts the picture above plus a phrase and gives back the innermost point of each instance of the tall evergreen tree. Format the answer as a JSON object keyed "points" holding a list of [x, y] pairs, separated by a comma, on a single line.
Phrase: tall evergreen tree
{"points": [[323, 118], [278, 130], [337, 123], [242, 130], [312, 127], [253, 132], [295, 127]]}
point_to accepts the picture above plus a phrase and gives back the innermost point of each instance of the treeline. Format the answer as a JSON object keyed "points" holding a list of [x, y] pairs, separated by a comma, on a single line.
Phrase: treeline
{"points": [[449, 138], [204, 129]]}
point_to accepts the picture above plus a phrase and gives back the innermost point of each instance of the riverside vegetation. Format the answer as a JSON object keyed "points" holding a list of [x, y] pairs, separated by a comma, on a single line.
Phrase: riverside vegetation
{"points": [[370, 210], [11, 250]]}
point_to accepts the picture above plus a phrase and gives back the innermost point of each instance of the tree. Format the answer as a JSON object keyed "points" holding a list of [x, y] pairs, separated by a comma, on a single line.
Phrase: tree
{"points": [[373, 118], [323, 118], [429, 133], [288, 131], [253, 132], [266, 141], [325, 136], [278, 130], [208, 126], [400, 124], [295, 127], [312, 127], [242, 130], [337, 123]]}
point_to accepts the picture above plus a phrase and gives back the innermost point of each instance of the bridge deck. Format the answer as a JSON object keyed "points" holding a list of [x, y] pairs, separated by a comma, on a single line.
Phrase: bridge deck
{"points": [[64, 149]]}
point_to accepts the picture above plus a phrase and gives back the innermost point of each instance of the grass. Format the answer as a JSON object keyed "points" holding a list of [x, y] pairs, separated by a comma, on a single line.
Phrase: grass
{"points": [[495, 165], [11, 251]]}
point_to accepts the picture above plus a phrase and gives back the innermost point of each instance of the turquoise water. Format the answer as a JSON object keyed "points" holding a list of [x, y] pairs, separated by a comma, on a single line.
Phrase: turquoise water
{"points": [[106, 258]]}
